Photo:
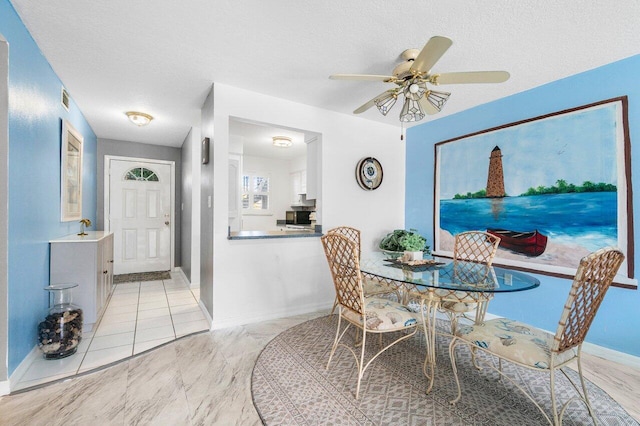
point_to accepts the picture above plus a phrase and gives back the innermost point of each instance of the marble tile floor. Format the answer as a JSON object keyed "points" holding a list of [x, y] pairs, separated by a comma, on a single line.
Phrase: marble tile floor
{"points": [[204, 379], [138, 317]]}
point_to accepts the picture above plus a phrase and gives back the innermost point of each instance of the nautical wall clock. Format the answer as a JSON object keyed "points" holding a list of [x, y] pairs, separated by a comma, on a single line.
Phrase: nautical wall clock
{"points": [[369, 173]]}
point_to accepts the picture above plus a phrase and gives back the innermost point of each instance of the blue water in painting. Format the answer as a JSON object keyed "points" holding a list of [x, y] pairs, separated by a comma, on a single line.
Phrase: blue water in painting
{"points": [[588, 218]]}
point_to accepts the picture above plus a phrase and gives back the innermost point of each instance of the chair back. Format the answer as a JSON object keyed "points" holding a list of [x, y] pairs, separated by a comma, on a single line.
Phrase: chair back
{"points": [[352, 234], [476, 246], [473, 274], [342, 256], [592, 280]]}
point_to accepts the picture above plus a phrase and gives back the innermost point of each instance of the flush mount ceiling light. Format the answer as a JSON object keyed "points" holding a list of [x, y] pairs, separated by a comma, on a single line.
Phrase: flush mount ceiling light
{"points": [[139, 118], [282, 141]]}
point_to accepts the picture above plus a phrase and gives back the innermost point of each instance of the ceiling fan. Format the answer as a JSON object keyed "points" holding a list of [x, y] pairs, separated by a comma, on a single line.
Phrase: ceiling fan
{"points": [[411, 78]]}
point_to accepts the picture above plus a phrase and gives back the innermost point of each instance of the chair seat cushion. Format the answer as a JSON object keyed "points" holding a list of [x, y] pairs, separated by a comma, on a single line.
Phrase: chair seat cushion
{"points": [[383, 315], [372, 286], [514, 341]]}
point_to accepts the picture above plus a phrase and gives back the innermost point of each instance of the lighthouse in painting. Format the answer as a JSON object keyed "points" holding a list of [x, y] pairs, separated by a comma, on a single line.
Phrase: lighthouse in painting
{"points": [[495, 180]]}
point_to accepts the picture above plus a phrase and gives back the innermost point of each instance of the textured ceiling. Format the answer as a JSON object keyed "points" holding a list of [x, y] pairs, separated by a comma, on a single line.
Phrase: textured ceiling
{"points": [[162, 56]]}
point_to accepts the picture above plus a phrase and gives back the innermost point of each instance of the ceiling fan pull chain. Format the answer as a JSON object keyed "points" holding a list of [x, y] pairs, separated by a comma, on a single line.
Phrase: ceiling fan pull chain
{"points": [[402, 130]]}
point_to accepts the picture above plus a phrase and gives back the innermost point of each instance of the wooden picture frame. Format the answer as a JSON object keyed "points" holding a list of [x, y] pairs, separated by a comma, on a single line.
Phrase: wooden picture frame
{"points": [[71, 173], [554, 188]]}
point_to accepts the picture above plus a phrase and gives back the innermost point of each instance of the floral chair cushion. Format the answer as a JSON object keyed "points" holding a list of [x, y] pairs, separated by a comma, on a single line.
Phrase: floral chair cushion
{"points": [[514, 341], [383, 314]]}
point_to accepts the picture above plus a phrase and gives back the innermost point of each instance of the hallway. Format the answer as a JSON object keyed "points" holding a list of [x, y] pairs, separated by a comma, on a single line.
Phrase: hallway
{"points": [[138, 317]]}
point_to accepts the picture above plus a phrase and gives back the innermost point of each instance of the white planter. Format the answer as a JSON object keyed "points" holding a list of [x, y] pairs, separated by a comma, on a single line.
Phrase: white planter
{"points": [[412, 255]]}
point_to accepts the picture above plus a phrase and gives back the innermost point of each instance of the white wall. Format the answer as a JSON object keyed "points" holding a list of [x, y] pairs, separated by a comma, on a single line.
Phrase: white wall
{"points": [[259, 279]]}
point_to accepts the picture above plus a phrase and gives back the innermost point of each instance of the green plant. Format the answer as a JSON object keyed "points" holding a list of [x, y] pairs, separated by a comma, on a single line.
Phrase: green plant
{"points": [[403, 240]]}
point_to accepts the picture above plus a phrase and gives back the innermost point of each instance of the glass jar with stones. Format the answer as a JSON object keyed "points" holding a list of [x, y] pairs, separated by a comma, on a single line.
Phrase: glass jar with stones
{"points": [[61, 331]]}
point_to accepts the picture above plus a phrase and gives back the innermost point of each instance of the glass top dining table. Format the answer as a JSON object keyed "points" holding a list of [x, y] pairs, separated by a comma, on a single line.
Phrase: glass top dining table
{"points": [[447, 274], [439, 279]]}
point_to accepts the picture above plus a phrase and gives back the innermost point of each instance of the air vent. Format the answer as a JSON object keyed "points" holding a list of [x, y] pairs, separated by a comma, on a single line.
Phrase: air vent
{"points": [[65, 99]]}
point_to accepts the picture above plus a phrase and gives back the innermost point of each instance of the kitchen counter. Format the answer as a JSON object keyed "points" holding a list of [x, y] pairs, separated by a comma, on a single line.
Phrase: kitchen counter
{"points": [[285, 233]]}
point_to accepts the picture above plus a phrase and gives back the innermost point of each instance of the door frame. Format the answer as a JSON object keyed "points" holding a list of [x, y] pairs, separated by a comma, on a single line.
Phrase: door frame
{"points": [[107, 193], [4, 215]]}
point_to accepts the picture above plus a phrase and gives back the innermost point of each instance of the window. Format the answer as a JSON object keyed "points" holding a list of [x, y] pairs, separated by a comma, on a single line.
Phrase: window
{"points": [[255, 193], [141, 173]]}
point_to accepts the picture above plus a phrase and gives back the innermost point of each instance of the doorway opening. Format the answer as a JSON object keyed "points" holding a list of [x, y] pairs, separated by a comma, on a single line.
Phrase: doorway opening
{"points": [[268, 181]]}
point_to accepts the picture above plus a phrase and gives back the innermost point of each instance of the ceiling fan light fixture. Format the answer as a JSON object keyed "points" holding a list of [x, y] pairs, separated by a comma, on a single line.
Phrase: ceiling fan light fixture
{"points": [[386, 101], [411, 111], [437, 99], [282, 141], [415, 89], [139, 118]]}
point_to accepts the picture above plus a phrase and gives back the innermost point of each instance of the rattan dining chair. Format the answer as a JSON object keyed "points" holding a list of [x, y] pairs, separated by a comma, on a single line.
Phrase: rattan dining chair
{"points": [[473, 254], [372, 285], [538, 350], [371, 314]]}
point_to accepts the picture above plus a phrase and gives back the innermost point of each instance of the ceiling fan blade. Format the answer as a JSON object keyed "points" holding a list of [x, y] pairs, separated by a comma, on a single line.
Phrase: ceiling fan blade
{"points": [[427, 107], [431, 53], [370, 103], [362, 77], [471, 77]]}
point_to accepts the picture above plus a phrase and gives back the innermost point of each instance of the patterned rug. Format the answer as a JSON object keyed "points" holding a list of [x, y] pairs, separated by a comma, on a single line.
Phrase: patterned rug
{"points": [[142, 276], [290, 386]]}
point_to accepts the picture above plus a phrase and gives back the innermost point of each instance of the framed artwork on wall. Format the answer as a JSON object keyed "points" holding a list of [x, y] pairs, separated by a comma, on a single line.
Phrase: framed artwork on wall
{"points": [[71, 173], [554, 188]]}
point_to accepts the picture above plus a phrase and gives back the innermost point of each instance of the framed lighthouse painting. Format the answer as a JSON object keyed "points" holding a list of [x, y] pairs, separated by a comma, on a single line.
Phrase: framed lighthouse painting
{"points": [[554, 188]]}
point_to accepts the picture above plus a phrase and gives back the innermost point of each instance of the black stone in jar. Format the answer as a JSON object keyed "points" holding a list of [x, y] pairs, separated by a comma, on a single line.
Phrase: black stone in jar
{"points": [[60, 333]]}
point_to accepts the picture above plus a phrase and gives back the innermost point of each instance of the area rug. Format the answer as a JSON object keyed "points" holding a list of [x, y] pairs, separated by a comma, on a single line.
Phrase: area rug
{"points": [[142, 276], [290, 386]]}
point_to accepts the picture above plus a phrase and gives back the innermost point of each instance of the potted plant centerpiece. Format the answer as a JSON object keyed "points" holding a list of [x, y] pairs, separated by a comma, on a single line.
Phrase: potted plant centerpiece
{"points": [[400, 241]]}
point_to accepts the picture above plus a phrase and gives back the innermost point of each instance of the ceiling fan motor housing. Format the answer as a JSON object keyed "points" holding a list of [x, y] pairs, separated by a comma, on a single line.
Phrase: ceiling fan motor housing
{"points": [[403, 70]]}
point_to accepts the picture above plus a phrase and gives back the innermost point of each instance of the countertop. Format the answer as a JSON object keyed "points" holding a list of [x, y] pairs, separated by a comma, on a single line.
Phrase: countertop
{"points": [[92, 236], [290, 233]]}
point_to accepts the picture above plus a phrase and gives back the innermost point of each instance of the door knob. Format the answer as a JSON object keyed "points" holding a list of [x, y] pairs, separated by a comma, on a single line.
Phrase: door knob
{"points": [[166, 222]]}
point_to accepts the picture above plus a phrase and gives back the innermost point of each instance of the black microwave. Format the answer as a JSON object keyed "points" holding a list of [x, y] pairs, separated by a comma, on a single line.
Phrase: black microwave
{"points": [[295, 217]]}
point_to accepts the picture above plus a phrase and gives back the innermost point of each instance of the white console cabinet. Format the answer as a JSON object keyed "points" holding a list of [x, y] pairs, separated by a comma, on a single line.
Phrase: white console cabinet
{"points": [[88, 262]]}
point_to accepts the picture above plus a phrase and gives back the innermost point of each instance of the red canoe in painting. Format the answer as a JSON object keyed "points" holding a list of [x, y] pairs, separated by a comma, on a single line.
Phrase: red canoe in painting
{"points": [[530, 243]]}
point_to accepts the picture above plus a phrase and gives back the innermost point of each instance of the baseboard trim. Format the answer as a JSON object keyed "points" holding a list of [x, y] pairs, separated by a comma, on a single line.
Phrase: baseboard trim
{"points": [[283, 313], [179, 270], [599, 351], [205, 312], [4, 388], [611, 355], [22, 368]]}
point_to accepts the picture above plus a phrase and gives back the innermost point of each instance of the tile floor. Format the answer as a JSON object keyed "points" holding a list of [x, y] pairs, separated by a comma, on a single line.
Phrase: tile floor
{"points": [[139, 316]]}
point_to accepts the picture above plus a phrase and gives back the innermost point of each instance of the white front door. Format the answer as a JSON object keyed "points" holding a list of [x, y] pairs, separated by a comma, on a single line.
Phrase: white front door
{"points": [[140, 215]]}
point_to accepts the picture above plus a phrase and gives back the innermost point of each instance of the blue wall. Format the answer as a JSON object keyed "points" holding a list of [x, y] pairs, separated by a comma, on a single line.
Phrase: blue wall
{"points": [[35, 125], [617, 325]]}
